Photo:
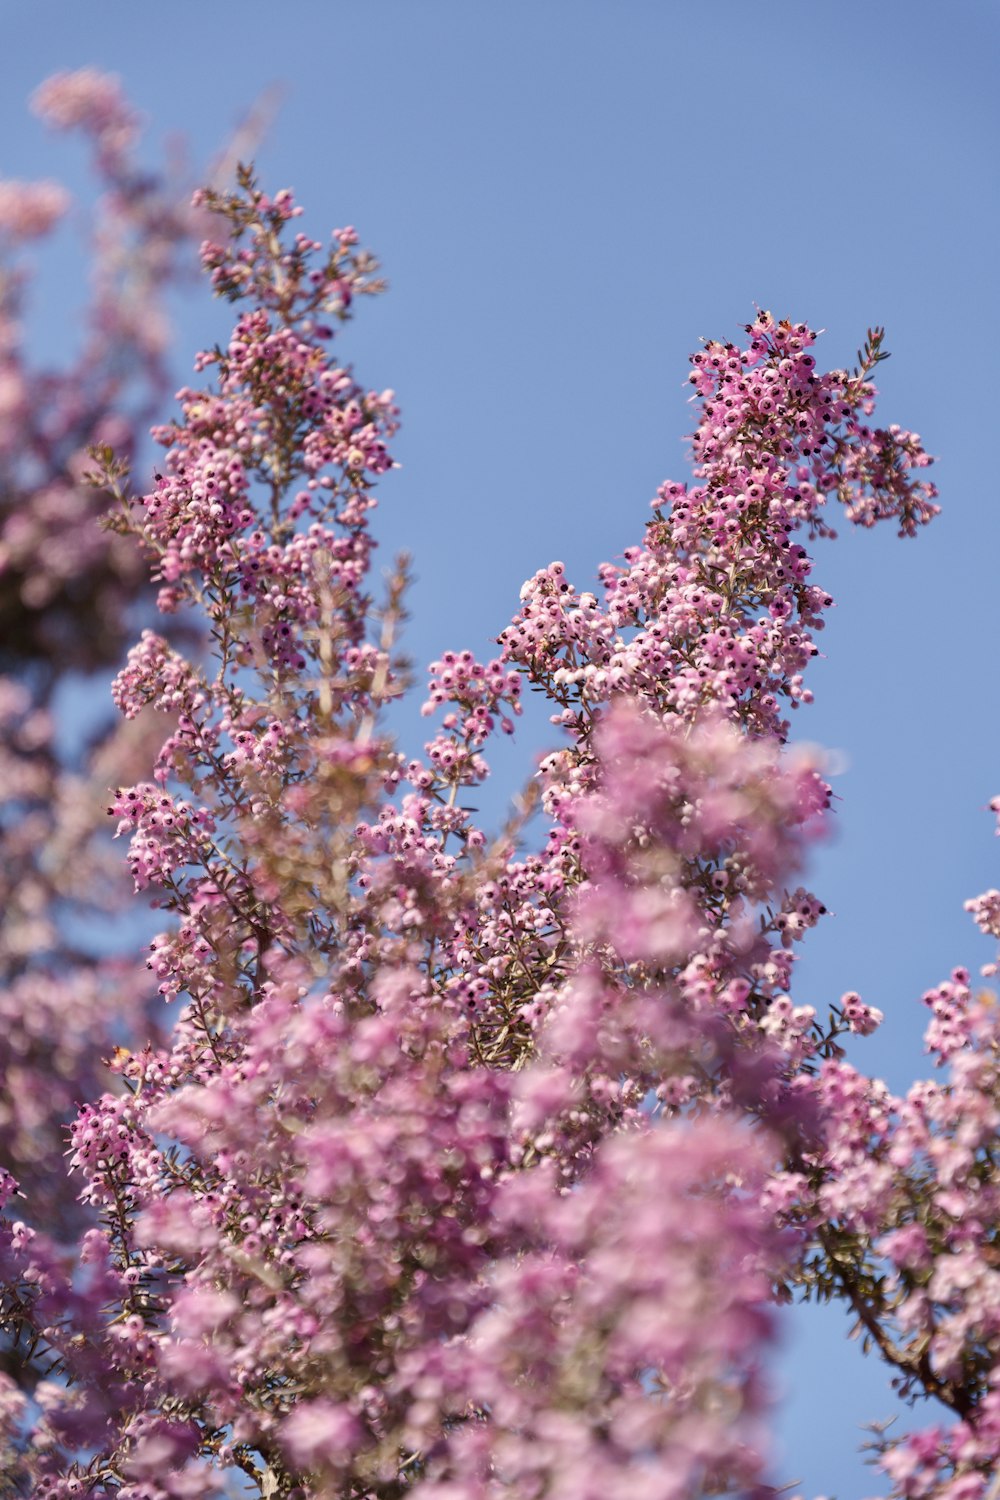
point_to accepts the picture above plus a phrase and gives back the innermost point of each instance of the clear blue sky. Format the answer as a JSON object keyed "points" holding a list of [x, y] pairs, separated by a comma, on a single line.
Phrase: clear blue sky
{"points": [[566, 195]]}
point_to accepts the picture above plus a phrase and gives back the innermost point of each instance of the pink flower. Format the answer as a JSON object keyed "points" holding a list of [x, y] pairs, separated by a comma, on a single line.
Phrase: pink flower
{"points": [[319, 1434], [29, 210]]}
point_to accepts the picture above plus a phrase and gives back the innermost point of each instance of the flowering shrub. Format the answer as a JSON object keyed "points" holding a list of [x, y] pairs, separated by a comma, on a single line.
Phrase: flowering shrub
{"points": [[68, 590], [470, 1166]]}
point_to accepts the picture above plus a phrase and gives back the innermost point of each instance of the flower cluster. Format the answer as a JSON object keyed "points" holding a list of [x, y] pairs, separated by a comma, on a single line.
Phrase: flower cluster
{"points": [[168, 833], [93, 103], [716, 607], [903, 1197], [30, 210]]}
